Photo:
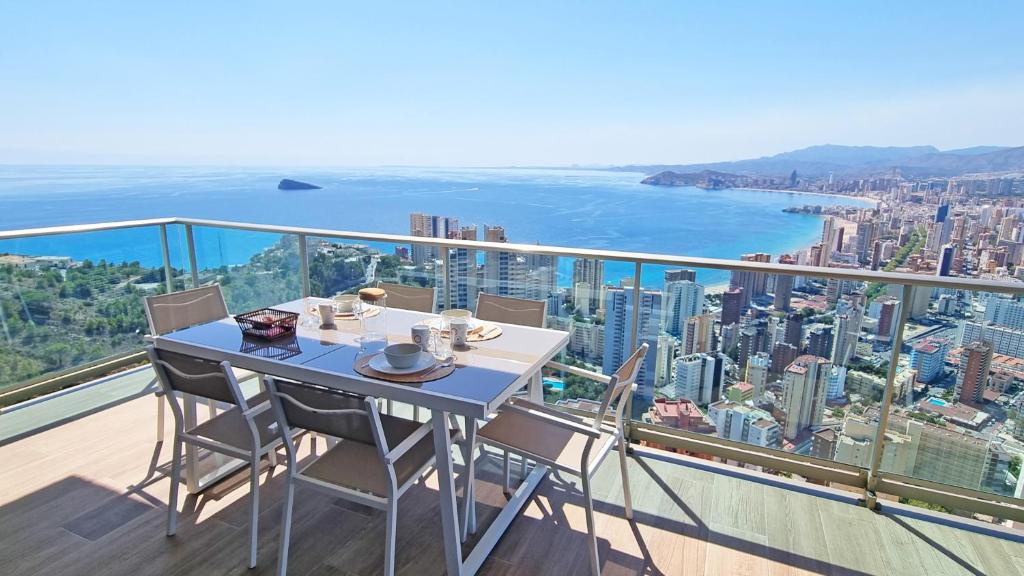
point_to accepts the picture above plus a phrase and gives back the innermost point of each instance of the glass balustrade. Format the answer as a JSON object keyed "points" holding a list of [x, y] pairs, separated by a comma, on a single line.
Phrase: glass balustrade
{"points": [[71, 300]]}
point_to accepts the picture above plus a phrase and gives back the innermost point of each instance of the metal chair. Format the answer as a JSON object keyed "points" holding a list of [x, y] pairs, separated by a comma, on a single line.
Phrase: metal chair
{"points": [[376, 459], [247, 431], [511, 310], [570, 443], [177, 310], [409, 297]]}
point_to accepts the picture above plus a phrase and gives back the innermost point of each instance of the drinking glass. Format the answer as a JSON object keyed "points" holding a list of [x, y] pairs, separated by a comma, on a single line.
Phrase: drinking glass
{"points": [[441, 345]]}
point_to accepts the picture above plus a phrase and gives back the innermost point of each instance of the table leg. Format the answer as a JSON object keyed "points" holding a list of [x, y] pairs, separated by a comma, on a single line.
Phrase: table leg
{"points": [[536, 388], [468, 518], [446, 488]]}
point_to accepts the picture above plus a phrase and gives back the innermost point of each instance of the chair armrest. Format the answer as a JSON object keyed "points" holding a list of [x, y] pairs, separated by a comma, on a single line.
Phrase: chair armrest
{"points": [[579, 372], [405, 445], [559, 420]]}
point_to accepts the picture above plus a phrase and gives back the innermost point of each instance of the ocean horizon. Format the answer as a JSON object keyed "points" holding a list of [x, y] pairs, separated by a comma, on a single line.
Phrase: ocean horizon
{"points": [[563, 207]]}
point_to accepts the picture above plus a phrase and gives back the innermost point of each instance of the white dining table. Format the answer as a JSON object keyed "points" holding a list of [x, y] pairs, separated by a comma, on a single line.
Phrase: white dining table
{"points": [[487, 373]]}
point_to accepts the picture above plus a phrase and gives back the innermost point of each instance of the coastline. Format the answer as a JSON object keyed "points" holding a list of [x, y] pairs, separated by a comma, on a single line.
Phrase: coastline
{"points": [[872, 201]]}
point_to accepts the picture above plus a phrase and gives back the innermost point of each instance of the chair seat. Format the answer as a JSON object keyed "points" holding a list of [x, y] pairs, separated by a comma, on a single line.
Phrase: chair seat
{"points": [[229, 427], [541, 439], [358, 466]]}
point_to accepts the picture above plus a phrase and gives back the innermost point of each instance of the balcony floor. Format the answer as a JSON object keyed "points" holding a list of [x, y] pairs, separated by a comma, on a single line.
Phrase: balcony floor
{"points": [[88, 497]]}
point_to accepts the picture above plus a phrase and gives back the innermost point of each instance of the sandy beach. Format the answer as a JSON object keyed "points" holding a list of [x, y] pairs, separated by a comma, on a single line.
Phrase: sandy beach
{"points": [[872, 201]]}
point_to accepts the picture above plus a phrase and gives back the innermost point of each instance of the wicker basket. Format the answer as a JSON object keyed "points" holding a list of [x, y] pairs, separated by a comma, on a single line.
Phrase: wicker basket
{"points": [[267, 323]]}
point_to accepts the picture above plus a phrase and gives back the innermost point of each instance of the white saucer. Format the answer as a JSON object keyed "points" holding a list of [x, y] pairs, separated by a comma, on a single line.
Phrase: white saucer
{"points": [[436, 323], [380, 364]]}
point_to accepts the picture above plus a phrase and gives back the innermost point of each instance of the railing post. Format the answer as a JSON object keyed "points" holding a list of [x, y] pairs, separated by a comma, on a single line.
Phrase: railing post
{"points": [[878, 448], [166, 252], [190, 241], [447, 277], [634, 334], [303, 265]]}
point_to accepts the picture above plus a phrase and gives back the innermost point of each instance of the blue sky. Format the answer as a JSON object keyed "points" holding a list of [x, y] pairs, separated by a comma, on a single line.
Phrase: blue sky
{"points": [[489, 83]]}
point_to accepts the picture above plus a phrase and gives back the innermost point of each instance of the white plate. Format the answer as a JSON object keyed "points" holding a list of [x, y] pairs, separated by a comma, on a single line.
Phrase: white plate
{"points": [[473, 324], [380, 364]]}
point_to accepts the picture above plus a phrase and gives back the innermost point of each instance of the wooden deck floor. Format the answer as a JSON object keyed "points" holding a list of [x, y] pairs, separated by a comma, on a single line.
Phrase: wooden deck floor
{"points": [[87, 497]]}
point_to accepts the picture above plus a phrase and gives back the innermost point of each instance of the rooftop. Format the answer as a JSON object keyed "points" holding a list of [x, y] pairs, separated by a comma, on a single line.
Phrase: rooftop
{"points": [[87, 495]]}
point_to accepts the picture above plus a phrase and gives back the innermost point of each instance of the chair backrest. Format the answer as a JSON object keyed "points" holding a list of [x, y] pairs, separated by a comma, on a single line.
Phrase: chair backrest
{"points": [[326, 411], [196, 376], [620, 385], [408, 297], [177, 310], [511, 310]]}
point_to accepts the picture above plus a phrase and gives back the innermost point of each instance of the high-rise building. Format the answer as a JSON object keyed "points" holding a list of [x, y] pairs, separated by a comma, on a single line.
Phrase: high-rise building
{"points": [[945, 260], [848, 323], [836, 383], [819, 341], [743, 423], [783, 354], [754, 284], [887, 310], [1005, 312], [698, 334], [581, 298], [784, 285], [1003, 340], [429, 226], [592, 273], [462, 271], [500, 268], [680, 274], [685, 299], [667, 347], [732, 306], [753, 338], [805, 383], [972, 376], [698, 377], [794, 329], [758, 367], [617, 328], [928, 357]]}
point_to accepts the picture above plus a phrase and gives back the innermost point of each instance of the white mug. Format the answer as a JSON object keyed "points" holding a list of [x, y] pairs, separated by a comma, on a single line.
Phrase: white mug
{"points": [[326, 314], [459, 329], [421, 336]]}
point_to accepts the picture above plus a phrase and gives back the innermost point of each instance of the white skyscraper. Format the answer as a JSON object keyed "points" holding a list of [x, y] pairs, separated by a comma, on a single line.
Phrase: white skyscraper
{"points": [[684, 299], [696, 378], [758, 367], [1005, 312], [618, 325]]}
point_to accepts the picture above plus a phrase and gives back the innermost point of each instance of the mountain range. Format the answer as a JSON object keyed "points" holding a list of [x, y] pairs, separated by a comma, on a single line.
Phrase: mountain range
{"points": [[862, 161]]}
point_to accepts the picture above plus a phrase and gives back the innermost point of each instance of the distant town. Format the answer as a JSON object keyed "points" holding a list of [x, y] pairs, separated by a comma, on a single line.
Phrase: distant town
{"points": [[799, 363]]}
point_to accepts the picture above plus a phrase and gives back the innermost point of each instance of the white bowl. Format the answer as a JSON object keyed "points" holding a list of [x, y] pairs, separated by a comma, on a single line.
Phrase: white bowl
{"points": [[343, 303], [402, 355]]}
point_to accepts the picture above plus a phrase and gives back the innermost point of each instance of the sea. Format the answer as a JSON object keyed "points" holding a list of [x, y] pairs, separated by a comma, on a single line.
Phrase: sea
{"points": [[562, 207]]}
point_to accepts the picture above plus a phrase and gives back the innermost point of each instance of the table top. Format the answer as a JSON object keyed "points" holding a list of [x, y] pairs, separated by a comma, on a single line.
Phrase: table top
{"points": [[486, 374]]}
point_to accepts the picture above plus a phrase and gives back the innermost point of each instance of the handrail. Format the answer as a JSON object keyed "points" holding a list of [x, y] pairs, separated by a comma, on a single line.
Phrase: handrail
{"points": [[870, 478], [82, 228], [974, 284]]}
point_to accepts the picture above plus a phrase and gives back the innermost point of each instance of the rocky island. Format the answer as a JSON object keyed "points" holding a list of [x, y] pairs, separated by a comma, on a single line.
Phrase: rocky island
{"points": [[707, 179], [287, 184]]}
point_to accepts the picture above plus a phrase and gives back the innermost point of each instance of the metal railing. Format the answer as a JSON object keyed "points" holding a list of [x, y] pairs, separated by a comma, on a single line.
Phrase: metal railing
{"points": [[870, 480]]}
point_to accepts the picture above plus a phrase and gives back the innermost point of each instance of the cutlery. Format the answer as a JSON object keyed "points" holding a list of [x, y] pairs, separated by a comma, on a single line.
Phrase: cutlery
{"points": [[445, 364]]}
